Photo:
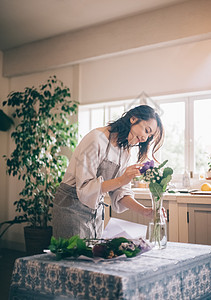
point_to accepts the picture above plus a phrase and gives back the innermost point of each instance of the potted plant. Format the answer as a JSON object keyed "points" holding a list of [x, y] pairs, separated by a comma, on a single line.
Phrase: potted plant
{"points": [[43, 127]]}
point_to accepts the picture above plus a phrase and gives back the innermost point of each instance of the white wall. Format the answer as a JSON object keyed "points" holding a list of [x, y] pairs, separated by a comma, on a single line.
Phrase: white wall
{"points": [[169, 70], [185, 21]]}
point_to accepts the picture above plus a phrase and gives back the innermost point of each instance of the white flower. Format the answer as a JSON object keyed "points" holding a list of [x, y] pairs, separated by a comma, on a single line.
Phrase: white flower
{"points": [[123, 246], [126, 246]]}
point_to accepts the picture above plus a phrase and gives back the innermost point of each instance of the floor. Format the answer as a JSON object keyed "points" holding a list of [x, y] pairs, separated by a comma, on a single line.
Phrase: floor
{"points": [[7, 259]]}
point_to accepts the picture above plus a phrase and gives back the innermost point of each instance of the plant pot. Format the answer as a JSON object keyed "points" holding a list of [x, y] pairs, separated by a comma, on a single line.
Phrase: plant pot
{"points": [[37, 239]]}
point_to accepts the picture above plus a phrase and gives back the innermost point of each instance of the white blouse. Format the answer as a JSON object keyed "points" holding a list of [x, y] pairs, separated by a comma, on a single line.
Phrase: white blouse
{"points": [[83, 166]]}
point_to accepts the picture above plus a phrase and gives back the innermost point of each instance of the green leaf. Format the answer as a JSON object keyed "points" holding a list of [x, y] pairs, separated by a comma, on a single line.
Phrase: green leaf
{"points": [[131, 253], [167, 171], [53, 241], [52, 248], [163, 164], [166, 180], [116, 242], [87, 252], [81, 245], [72, 242], [164, 187], [156, 189]]}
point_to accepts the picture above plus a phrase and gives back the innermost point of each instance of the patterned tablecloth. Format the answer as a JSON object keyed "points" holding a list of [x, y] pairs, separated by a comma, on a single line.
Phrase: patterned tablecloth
{"points": [[181, 271]]}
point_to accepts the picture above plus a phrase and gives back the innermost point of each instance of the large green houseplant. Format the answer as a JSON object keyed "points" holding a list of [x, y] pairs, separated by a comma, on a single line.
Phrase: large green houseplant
{"points": [[43, 127]]}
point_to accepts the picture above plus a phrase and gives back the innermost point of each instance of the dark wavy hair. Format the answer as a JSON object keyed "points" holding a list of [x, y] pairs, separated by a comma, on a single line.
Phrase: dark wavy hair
{"points": [[123, 125]]}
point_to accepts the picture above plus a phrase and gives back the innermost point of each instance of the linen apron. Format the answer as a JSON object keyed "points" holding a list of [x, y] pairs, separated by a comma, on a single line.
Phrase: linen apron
{"points": [[71, 216]]}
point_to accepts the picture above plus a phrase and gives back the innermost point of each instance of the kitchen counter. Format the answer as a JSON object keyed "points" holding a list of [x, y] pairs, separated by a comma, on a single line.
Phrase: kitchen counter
{"points": [[179, 197], [189, 216]]}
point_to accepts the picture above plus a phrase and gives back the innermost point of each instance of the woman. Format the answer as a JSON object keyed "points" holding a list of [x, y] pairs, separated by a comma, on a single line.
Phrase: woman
{"points": [[99, 165]]}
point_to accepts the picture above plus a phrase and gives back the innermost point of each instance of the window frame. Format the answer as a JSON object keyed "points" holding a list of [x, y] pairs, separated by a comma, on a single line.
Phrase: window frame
{"points": [[187, 98]]}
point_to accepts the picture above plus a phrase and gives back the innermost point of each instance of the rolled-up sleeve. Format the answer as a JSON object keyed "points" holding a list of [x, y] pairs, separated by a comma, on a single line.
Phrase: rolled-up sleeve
{"points": [[117, 195], [89, 192]]}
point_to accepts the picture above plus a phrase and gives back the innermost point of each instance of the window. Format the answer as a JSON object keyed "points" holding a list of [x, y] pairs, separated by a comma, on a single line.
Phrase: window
{"points": [[173, 149], [202, 134], [186, 120], [97, 115]]}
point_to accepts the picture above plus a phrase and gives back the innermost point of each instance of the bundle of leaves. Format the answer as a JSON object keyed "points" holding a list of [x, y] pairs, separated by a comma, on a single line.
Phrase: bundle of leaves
{"points": [[75, 246], [157, 177]]}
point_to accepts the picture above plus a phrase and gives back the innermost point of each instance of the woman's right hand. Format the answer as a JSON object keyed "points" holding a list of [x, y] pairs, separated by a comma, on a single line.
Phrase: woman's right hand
{"points": [[130, 173], [127, 176]]}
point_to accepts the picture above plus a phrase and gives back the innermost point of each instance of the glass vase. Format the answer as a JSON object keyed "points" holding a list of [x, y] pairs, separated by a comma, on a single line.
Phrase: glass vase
{"points": [[158, 227]]}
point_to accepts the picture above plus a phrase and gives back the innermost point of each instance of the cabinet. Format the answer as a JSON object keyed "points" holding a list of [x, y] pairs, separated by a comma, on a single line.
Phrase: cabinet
{"points": [[189, 216], [137, 218], [194, 219], [199, 223]]}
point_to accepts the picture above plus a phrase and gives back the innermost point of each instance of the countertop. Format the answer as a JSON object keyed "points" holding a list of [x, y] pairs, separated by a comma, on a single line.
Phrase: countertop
{"points": [[141, 193]]}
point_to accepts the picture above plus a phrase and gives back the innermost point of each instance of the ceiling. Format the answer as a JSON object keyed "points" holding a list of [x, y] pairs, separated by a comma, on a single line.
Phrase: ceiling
{"points": [[25, 21]]}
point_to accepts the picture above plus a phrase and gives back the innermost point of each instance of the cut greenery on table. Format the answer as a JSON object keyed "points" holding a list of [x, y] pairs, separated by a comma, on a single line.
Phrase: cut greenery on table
{"points": [[75, 246]]}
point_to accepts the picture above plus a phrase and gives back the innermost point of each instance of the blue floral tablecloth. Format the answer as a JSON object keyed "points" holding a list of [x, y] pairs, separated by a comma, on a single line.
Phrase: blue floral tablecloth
{"points": [[181, 271]]}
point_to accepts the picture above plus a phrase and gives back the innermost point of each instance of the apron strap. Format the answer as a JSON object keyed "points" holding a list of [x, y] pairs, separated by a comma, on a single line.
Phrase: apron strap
{"points": [[114, 174], [106, 153], [108, 146], [118, 166], [120, 154], [103, 211]]}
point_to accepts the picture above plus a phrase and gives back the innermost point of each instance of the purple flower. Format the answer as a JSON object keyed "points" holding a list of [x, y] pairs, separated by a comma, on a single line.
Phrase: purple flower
{"points": [[147, 165]]}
